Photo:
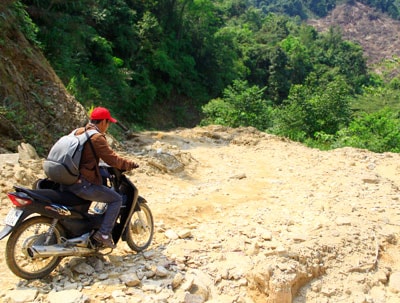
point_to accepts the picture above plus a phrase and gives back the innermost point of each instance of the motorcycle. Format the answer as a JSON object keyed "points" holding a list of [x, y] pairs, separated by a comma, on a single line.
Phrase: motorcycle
{"points": [[46, 224]]}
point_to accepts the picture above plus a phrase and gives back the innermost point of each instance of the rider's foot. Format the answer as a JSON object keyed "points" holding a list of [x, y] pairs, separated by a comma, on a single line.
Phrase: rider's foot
{"points": [[105, 240]]}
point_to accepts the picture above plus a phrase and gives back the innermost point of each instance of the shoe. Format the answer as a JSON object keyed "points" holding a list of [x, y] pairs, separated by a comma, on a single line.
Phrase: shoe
{"points": [[105, 240]]}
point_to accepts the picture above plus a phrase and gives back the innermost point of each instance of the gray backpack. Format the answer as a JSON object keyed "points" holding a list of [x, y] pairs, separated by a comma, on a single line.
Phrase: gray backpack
{"points": [[62, 163]]}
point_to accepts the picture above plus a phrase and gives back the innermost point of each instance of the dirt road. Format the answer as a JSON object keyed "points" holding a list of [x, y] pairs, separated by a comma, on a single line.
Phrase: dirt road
{"points": [[270, 220]]}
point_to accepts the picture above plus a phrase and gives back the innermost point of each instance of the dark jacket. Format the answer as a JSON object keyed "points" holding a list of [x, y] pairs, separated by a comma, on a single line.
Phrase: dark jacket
{"points": [[89, 166]]}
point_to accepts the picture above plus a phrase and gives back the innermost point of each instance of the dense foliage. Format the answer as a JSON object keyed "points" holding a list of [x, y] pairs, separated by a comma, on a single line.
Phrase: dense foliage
{"points": [[235, 62]]}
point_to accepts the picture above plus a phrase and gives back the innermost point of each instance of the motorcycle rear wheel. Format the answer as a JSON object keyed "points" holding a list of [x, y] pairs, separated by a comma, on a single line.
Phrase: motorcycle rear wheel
{"points": [[30, 232], [141, 229]]}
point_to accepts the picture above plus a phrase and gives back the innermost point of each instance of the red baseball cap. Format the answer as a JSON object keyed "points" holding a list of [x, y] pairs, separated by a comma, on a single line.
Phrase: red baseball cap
{"points": [[101, 113]]}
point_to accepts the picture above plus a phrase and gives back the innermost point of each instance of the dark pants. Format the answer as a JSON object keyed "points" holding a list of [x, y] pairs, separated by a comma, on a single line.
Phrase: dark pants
{"points": [[99, 193]]}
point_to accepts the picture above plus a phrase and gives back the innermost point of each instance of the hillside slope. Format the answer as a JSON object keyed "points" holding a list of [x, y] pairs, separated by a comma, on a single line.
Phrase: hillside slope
{"points": [[31, 92], [377, 33]]}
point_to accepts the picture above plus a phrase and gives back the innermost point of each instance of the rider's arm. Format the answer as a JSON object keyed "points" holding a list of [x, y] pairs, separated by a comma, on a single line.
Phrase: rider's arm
{"points": [[104, 151]]}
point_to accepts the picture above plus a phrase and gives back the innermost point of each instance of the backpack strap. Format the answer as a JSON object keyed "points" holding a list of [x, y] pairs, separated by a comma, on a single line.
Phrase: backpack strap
{"points": [[88, 133], [92, 132]]}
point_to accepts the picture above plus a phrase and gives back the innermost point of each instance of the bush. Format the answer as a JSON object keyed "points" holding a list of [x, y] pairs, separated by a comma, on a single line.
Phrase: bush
{"points": [[377, 132], [240, 106], [313, 109]]}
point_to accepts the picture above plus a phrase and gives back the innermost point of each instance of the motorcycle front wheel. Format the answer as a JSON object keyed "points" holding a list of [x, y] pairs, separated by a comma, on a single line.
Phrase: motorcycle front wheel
{"points": [[32, 232], [140, 229]]}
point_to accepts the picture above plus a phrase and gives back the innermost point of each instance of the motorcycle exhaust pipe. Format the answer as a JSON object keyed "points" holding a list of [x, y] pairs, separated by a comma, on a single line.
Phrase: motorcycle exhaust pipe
{"points": [[40, 251]]}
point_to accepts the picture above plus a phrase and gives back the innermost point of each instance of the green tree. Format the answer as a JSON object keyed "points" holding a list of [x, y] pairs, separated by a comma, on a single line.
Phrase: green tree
{"points": [[299, 62], [310, 110], [346, 57], [241, 106], [321, 7]]}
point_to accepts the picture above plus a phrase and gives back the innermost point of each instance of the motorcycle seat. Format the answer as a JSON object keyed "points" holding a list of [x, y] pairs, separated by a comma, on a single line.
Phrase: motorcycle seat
{"points": [[53, 196]]}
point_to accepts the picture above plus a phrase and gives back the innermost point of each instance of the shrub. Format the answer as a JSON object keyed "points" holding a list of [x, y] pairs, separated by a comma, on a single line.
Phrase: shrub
{"points": [[240, 106], [378, 132]]}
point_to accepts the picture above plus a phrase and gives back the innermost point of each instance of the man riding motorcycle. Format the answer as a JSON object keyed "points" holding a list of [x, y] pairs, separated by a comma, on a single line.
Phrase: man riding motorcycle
{"points": [[89, 185]]}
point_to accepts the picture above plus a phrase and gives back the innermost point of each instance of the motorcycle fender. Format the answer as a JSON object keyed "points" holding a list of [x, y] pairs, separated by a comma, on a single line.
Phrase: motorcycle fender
{"points": [[6, 231], [141, 200]]}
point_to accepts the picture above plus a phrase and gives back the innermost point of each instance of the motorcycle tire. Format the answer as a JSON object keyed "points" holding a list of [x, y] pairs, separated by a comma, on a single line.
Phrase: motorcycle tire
{"points": [[140, 231], [30, 232]]}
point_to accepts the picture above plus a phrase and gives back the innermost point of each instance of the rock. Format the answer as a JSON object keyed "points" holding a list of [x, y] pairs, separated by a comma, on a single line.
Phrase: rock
{"points": [[201, 286], [343, 221], [239, 176], [27, 152], [263, 233], [172, 235], [10, 159], [161, 271], [394, 282], [130, 280], [149, 254], [84, 268], [193, 298], [185, 233], [21, 296], [177, 280], [378, 295], [67, 296]]}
